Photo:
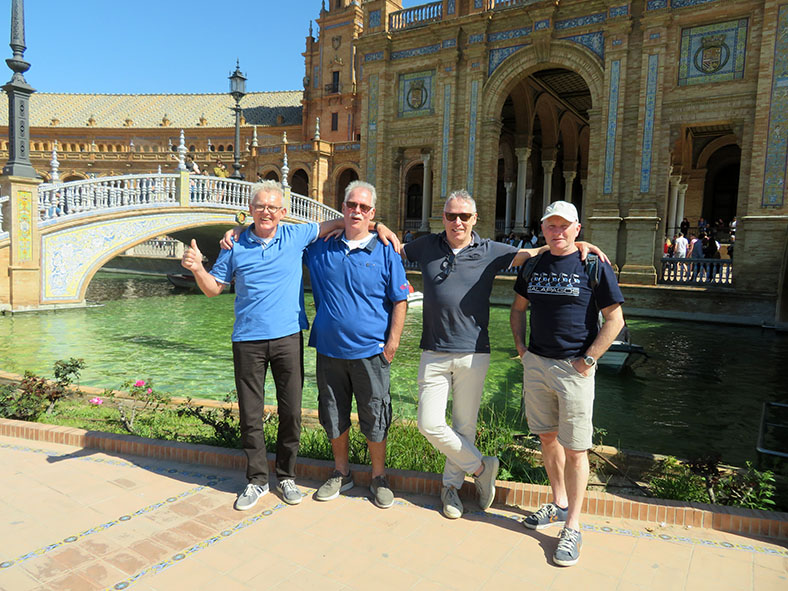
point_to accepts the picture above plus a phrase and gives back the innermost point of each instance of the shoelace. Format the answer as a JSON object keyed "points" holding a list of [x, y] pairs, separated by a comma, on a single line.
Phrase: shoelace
{"points": [[568, 540], [545, 511], [252, 488], [288, 486], [451, 495]]}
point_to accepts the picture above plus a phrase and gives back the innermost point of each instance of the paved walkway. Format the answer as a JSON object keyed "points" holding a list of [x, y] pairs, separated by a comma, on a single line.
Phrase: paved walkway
{"points": [[74, 518]]}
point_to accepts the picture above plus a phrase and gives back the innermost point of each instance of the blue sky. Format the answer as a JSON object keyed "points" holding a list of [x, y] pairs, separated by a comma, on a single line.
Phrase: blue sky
{"points": [[161, 46]]}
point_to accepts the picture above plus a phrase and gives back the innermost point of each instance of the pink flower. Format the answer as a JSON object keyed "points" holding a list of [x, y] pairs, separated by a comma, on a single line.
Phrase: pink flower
{"points": [[139, 383], [149, 390], [96, 400]]}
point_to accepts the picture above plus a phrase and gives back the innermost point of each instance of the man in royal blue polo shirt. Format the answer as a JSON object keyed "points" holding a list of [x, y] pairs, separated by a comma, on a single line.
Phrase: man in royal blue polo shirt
{"points": [[266, 263], [565, 297], [360, 293]]}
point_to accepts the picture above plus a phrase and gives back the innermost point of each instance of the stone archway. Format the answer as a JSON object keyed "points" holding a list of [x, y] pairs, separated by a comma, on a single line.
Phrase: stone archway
{"points": [[343, 179]]}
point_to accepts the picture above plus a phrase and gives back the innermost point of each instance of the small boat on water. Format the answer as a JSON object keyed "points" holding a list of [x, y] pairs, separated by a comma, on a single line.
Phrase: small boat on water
{"points": [[622, 353]]}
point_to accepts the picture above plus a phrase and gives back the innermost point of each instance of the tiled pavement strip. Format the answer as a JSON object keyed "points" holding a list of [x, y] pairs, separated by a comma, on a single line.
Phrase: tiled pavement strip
{"points": [[74, 518]]}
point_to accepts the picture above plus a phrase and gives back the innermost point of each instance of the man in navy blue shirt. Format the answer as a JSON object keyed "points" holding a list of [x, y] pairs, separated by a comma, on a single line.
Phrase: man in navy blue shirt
{"points": [[360, 293], [266, 263], [559, 365]]}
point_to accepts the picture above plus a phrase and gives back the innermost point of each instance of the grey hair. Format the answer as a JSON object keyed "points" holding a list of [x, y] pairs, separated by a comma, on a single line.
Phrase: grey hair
{"points": [[361, 185], [267, 186], [462, 195]]}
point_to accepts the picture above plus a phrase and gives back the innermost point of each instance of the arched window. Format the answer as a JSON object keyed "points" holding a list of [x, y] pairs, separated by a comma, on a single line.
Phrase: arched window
{"points": [[300, 182]]}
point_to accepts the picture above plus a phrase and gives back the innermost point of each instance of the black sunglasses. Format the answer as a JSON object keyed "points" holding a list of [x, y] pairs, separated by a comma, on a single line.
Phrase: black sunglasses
{"points": [[447, 266], [453, 216]]}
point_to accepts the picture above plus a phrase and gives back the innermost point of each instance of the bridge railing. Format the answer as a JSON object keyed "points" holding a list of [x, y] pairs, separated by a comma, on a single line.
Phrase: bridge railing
{"points": [[416, 16], [701, 272], [61, 200]]}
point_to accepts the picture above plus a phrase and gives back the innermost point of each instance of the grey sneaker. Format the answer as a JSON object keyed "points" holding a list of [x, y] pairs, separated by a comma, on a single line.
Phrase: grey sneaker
{"points": [[381, 493], [485, 483], [289, 491], [452, 505], [547, 515], [333, 486], [250, 495], [569, 544]]}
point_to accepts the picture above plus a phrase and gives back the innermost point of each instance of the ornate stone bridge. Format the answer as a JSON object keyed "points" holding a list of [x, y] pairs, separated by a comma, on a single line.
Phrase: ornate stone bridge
{"points": [[54, 237]]}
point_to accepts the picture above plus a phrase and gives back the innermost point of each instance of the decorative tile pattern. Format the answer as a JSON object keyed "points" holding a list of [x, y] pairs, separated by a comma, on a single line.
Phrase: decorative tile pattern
{"points": [[69, 256], [415, 94], [24, 246], [405, 53], [336, 25], [713, 53], [685, 3], [373, 57], [617, 42], [316, 77], [774, 178], [512, 34], [581, 21], [472, 134], [648, 123], [446, 43], [446, 139], [498, 55], [343, 147], [372, 128], [478, 3], [654, 36], [450, 7], [656, 4], [594, 41], [269, 149], [476, 38], [612, 126], [542, 25], [615, 11], [374, 18]]}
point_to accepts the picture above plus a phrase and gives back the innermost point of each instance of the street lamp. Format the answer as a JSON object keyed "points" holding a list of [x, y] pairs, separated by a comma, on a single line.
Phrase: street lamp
{"points": [[237, 91]]}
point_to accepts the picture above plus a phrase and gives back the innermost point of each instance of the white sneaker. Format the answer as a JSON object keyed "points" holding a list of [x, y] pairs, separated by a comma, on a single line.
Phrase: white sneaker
{"points": [[250, 495]]}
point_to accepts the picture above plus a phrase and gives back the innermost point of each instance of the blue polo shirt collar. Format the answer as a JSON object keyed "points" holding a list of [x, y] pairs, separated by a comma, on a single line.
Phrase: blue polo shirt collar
{"points": [[252, 237]]}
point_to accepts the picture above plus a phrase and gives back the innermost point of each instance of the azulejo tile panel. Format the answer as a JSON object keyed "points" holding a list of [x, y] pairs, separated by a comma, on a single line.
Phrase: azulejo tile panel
{"points": [[542, 25], [512, 34], [594, 41], [612, 126], [69, 256], [446, 43], [446, 139], [656, 4], [415, 94], [581, 21], [374, 18], [406, 53], [648, 123], [615, 11], [24, 246], [685, 3], [372, 128], [475, 38], [713, 53], [472, 133], [774, 179], [373, 57], [497, 56], [450, 7]]}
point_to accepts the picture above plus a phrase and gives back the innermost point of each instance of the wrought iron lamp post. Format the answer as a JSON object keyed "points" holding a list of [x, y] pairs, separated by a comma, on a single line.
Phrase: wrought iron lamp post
{"points": [[237, 91]]}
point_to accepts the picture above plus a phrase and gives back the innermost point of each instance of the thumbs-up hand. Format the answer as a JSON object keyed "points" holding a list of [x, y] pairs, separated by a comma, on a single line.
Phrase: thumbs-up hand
{"points": [[192, 257]]}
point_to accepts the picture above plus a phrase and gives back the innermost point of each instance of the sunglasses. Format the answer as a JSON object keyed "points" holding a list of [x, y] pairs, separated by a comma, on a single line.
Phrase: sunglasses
{"points": [[453, 216], [351, 205], [447, 266]]}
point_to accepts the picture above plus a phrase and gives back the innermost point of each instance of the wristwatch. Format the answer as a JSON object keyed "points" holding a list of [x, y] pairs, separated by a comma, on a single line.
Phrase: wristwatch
{"points": [[589, 361]]}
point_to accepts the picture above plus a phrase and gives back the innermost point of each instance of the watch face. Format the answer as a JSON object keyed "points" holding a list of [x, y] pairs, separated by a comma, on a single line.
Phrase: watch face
{"points": [[589, 361]]}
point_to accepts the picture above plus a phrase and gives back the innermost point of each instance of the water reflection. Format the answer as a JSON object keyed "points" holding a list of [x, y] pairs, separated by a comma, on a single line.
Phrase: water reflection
{"points": [[700, 391]]}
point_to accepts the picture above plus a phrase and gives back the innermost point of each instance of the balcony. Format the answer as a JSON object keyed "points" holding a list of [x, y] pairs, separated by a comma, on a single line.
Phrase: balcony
{"points": [[417, 16], [333, 88]]}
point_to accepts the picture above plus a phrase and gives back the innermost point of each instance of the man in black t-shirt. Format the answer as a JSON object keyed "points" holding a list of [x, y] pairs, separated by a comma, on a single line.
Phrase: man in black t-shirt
{"points": [[559, 365]]}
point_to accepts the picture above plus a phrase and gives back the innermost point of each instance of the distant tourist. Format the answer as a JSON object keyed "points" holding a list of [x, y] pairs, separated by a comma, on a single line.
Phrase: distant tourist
{"points": [[732, 226], [730, 247], [408, 237], [559, 365], [680, 246], [684, 226]]}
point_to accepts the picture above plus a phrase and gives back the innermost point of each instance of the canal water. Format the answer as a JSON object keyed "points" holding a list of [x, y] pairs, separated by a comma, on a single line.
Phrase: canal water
{"points": [[700, 391]]}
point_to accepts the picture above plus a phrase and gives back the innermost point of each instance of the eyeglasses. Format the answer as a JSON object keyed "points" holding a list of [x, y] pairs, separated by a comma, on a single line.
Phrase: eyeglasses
{"points": [[267, 208], [453, 216], [447, 266], [352, 205]]}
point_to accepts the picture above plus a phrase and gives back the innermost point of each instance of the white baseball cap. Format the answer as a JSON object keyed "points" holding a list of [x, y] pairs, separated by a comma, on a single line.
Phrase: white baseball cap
{"points": [[562, 209]]}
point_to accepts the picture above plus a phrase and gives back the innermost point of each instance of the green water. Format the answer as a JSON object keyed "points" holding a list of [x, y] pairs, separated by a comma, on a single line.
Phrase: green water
{"points": [[700, 391]]}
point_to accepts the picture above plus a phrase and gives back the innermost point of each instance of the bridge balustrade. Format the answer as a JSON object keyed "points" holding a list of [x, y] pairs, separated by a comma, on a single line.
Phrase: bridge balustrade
{"points": [[416, 16], [701, 272]]}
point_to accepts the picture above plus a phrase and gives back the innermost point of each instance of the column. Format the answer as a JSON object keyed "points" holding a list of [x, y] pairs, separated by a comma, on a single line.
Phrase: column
{"points": [[523, 154], [583, 182], [548, 166], [529, 203], [680, 205], [507, 225], [426, 194], [670, 226], [569, 178]]}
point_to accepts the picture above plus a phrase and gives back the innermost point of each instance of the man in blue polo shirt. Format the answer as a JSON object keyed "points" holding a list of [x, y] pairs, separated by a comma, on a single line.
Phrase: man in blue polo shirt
{"points": [[361, 294], [266, 263]]}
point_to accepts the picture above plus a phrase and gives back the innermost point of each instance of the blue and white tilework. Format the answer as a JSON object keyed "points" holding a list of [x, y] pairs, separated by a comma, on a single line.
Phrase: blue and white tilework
{"points": [[446, 43], [498, 55], [478, 3], [542, 25], [405, 53], [656, 4], [450, 7], [685, 3], [713, 53], [612, 126], [648, 123], [316, 77], [581, 21], [777, 140], [472, 134], [415, 94], [654, 36], [374, 18], [372, 128], [475, 38], [615, 11], [505, 35], [373, 57], [594, 41], [446, 139]]}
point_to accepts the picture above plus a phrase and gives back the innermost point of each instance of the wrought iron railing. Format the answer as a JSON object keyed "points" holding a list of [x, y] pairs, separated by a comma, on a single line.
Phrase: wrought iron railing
{"points": [[773, 431], [417, 16], [701, 272]]}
